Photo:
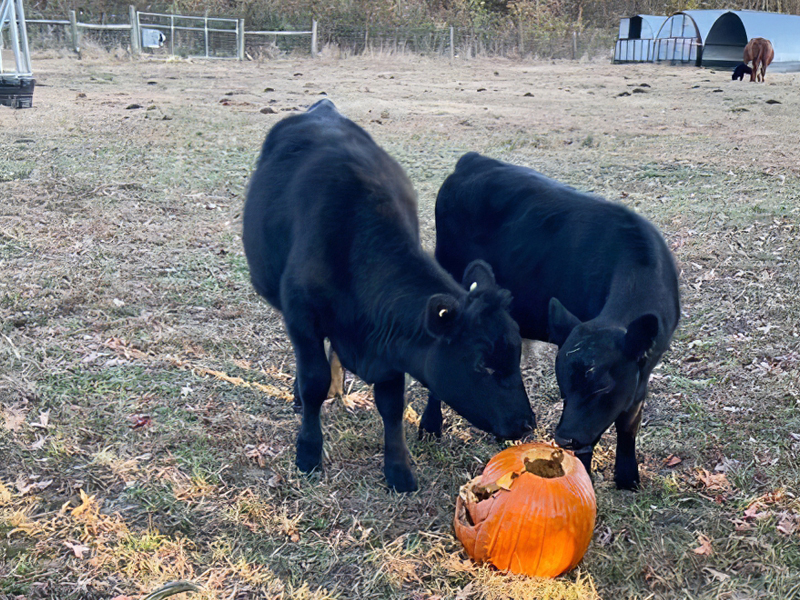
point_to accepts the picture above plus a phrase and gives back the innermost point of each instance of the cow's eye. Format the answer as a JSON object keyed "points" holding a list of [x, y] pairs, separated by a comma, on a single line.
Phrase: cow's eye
{"points": [[604, 385]]}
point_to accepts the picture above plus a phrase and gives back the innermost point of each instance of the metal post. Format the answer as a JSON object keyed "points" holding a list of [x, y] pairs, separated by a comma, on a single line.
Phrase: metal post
{"points": [[574, 45], [205, 31], [11, 15], [73, 25], [23, 32], [240, 39], [172, 35], [313, 37], [135, 39], [452, 46]]}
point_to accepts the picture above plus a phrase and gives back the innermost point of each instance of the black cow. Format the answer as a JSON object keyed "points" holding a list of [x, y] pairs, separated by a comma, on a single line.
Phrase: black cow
{"points": [[332, 240], [740, 71], [588, 275]]}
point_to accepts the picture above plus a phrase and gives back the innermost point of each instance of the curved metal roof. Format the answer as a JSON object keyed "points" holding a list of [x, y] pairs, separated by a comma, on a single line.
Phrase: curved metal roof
{"points": [[703, 21], [650, 25], [718, 37], [729, 35]]}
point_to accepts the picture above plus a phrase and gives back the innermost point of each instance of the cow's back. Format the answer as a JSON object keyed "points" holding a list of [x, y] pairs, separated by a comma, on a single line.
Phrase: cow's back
{"points": [[313, 190], [544, 239]]}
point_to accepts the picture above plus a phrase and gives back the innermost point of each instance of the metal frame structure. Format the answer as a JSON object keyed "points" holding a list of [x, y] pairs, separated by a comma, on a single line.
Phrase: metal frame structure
{"points": [[708, 38], [16, 85], [636, 35]]}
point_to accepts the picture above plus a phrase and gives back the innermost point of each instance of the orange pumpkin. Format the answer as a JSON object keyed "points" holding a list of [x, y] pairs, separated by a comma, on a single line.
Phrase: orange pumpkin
{"points": [[531, 512]]}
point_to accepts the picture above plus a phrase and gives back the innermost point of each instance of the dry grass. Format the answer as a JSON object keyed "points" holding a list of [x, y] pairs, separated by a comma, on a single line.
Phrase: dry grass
{"points": [[146, 430]]}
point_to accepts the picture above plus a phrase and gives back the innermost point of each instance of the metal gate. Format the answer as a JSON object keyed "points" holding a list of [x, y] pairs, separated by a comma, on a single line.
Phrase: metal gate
{"points": [[190, 37]]}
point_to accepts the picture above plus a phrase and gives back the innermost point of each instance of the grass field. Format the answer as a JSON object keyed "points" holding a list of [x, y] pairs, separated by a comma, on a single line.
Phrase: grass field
{"points": [[146, 428]]}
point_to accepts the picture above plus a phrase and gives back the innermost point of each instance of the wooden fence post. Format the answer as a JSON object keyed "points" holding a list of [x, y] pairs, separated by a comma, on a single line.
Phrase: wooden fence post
{"points": [[73, 25], [240, 39], [136, 48], [313, 37]]}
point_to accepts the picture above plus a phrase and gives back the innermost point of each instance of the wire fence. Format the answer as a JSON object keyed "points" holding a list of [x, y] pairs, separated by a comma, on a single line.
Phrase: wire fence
{"points": [[465, 42], [164, 34]]}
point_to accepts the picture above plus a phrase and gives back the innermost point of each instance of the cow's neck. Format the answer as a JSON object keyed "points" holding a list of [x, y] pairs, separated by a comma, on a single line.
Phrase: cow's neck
{"points": [[397, 306]]}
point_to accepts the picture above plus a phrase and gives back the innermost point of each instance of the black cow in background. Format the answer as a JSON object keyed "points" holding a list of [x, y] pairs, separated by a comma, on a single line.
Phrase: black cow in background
{"points": [[588, 275], [332, 241], [740, 71]]}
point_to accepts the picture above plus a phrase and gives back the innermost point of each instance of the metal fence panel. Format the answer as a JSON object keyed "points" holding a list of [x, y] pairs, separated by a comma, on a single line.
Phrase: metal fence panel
{"points": [[190, 37]]}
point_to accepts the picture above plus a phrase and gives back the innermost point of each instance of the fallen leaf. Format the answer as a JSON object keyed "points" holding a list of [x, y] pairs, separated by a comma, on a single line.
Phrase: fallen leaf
{"points": [[465, 592], [788, 524], [13, 418], [87, 504], [141, 421], [673, 460], [23, 486], [77, 549], [44, 420], [752, 512], [718, 575], [5, 494], [358, 400], [704, 549], [274, 481], [712, 481]]}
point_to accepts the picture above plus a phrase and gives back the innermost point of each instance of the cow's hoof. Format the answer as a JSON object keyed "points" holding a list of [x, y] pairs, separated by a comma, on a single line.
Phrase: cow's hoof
{"points": [[430, 423], [424, 432], [400, 478], [308, 459], [627, 478]]}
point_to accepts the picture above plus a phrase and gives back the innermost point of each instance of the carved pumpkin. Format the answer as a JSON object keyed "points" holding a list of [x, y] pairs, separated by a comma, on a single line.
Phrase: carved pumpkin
{"points": [[531, 512]]}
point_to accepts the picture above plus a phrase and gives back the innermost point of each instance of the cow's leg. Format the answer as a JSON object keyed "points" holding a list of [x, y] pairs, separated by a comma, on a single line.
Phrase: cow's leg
{"points": [[431, 420], [626, 469], [311, 385], [585, 456], [390, 400], [297, 404]]}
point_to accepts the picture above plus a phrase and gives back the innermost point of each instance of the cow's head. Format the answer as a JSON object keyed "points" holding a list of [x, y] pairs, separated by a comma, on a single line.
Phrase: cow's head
{"points": [[598, 369], [473, 363]]}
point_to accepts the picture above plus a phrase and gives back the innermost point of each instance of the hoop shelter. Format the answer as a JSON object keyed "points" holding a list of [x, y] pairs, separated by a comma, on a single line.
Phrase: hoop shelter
{"points": [[683, 35], [635, 41], [724, 45]]}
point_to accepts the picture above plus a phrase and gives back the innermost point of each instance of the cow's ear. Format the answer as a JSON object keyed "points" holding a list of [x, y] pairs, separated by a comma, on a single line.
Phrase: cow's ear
{"points": [[478, 275], [441, 315], [640, 336], [560, 322]]}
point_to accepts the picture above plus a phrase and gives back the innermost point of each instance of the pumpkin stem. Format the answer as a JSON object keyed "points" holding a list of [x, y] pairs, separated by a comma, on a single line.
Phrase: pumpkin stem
{"points": [[546, 468]]}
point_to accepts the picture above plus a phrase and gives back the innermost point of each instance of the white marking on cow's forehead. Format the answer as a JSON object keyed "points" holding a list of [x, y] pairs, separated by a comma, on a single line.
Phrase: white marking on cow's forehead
{"points": [[443, 312], [473, 286]]}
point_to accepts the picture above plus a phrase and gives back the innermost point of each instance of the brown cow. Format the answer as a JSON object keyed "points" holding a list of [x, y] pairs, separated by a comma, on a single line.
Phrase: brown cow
{"points": [[760, 51]]}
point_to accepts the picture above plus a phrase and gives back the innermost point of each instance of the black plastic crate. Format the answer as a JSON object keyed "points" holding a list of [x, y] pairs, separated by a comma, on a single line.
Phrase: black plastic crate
{"points": [[17, 92]]}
